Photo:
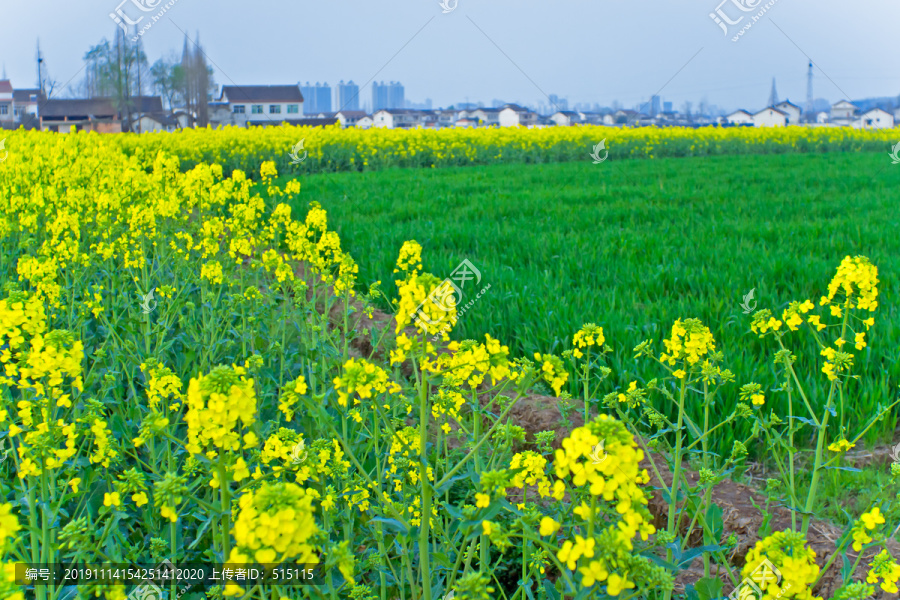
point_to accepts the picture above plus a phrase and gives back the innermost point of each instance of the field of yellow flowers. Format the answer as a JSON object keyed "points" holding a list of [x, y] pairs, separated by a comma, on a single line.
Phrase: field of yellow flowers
{"points": [[181, 382]]}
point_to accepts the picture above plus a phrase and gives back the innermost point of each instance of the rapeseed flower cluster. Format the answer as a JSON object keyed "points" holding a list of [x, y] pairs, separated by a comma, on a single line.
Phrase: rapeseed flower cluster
{"points": [[786, 551], [220, 406]]}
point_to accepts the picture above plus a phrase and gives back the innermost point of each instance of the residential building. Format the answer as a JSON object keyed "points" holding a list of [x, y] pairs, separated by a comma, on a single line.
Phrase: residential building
{"points": [[317, 98], [25, 105], [485, 117], [397, 118], [739, 117], [347, 96], [349, 118], [396, 95], [792, 111], [7, 112], [875, 119], [843, 112], [275, 103], [292, 122], [513, 115], [770, 117], [379, 96], [566, 118], [365, 122], [65, 116]]}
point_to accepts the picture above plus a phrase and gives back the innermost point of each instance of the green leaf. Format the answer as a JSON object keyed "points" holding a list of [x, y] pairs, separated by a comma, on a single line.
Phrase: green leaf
{"points": [[708, 588], [552, 593], [715, 523], [391, 524]]}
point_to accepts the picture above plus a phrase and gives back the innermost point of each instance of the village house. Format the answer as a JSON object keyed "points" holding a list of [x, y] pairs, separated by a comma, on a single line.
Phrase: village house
{"points": [[69, 116], [843, 112], [6, 104], [275, 103], [397, 118], [875, 118], [25, 105], [739, 117], [513, 115], [792, 111], [349, 118], [770, 117], [566, 118]]}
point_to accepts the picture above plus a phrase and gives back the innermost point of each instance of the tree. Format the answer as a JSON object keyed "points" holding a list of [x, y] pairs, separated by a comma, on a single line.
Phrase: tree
{"points": [[197, 82], [113, 71], [168, 80]]}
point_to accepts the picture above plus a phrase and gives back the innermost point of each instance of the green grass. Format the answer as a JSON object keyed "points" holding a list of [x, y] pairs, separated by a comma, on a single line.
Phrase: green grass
{"points": [[633, 245]]}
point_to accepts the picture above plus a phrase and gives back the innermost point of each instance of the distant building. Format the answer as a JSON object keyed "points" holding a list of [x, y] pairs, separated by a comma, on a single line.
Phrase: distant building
{"points": [[770, 117], [347, 96], [7, 112], [557, 103], [843, 112], [317, 98], [292, 122], [25, 104], [379, 97], [485, 117], [398, 118], [69, 116], [396, 95], [792, 111], [513, 115], [275, 103], [365, 122], [739, 117], [875, 119], [349, 118], [822, 118], [566, 118]]}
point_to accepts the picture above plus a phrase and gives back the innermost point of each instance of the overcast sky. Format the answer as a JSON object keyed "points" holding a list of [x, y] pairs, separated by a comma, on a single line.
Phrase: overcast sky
{"points": [[513, 50]]}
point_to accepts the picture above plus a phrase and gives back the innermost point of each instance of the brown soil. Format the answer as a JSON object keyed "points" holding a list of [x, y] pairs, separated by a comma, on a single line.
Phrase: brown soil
{"points": [[536, 413]]}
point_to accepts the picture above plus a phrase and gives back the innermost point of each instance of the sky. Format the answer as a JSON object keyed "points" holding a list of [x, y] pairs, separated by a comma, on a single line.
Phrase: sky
{"points": [[512, 50]]}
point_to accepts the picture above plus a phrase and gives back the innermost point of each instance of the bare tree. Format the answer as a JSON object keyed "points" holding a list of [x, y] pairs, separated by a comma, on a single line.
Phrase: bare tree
{"points": [[113, 71]]}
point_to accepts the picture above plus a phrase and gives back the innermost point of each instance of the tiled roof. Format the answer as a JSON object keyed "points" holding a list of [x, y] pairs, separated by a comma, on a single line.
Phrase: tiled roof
{"points": [[262, 93]]}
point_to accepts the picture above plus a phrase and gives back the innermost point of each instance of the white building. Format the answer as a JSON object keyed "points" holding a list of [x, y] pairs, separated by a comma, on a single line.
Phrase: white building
{"points": [[740, 117], [770, 117], [365, 122], [792, 111], [25, 104], [875, 119], [485, 116], [822, 118], [349, 118], [275, 103], [513, 115], [566, 118], [397, 118], [6, 103], [843, 112]]}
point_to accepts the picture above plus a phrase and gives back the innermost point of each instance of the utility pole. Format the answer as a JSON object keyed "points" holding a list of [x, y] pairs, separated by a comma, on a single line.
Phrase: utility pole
{"points": [[773, 96], [40, 60]]}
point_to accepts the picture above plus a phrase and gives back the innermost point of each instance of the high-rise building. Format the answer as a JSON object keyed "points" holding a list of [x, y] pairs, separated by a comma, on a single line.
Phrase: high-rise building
{"points": [[347, 96], [323, 98], [379, 96], [396, 95], [316, 98]]}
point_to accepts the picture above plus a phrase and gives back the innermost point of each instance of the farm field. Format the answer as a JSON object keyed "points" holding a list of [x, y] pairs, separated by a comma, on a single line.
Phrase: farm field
{"points": [[633, 245], [198, 366]]}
